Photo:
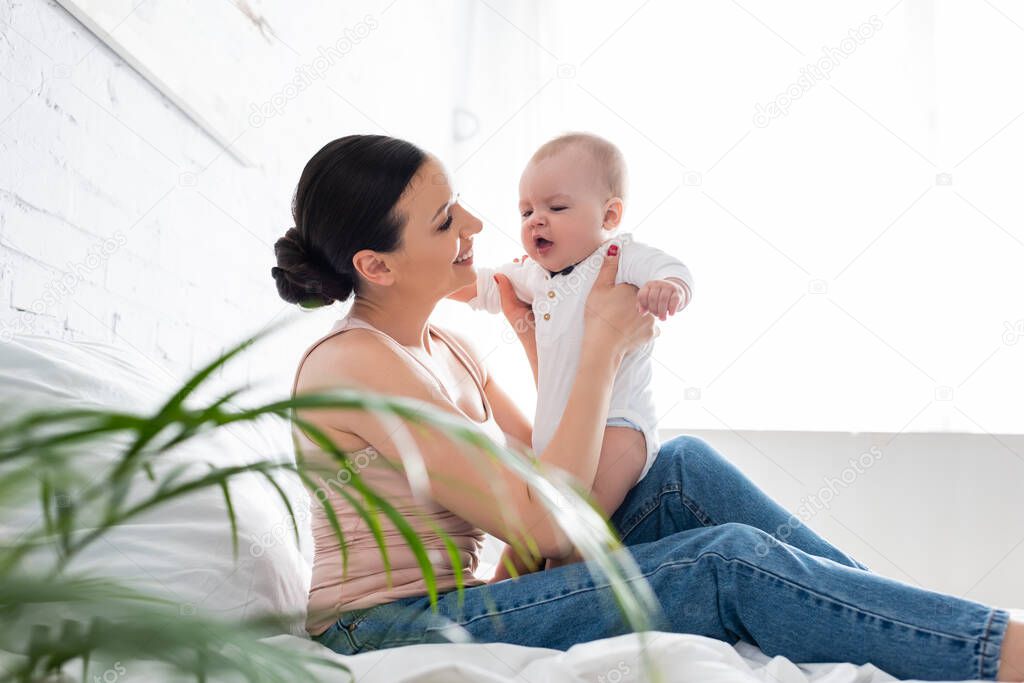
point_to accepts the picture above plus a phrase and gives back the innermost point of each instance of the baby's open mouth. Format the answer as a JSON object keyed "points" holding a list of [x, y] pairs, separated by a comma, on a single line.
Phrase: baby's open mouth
{"points": [[542, 243]]}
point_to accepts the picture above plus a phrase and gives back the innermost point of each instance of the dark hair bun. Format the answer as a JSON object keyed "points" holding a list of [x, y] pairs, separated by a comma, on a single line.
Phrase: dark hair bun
{"points": [[301, 279], [345, 202]]}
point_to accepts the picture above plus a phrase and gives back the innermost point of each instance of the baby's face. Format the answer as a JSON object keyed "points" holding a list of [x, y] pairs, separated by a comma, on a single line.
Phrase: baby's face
{"points": [[561, 204]]}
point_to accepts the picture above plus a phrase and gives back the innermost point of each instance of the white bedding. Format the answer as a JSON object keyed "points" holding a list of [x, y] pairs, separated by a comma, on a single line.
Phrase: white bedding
{"points": [[182, 550], [679, 657]]}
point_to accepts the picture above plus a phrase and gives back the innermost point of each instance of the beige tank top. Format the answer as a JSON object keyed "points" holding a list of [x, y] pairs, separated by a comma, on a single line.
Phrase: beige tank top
{"points": [[365, 584]]}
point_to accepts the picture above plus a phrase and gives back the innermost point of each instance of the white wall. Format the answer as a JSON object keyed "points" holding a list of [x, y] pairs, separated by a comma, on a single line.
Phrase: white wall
{"points": [[940, 511], [856, 253], [120, 220]]}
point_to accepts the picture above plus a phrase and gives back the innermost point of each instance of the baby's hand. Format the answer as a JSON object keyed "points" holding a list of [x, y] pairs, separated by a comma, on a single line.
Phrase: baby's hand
{"points": [[661, 297]]}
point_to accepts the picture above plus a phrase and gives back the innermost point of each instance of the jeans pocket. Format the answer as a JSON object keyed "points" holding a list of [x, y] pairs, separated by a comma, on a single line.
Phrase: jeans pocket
{"points": [[391, 624], [339, 636]]}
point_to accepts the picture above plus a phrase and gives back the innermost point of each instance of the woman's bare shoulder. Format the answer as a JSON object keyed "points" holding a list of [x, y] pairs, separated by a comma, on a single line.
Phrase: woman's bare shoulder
{"points": [[345, 359], [356, 359], [359, 358]]}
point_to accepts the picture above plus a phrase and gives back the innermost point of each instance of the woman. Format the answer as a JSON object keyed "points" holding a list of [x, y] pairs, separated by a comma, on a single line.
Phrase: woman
{"points": [[375, 216]]}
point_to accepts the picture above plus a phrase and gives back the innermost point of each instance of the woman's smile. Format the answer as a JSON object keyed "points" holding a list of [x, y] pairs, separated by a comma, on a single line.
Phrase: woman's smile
{"points": [[466, 258]]}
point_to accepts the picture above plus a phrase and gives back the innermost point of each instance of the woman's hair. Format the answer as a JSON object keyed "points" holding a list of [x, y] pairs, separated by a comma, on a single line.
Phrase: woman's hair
{"points": [[344, 202]]}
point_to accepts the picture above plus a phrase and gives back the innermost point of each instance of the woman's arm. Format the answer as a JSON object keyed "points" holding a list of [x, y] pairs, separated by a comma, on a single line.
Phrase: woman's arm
{"points": [[461, 477], [519, 432], [507, 414], [465, 479]]}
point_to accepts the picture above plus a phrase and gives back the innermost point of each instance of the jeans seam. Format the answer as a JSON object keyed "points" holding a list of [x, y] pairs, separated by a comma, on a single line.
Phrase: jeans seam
{"points": [[326, 633], [984, 639], [544, 601], [697, 511], [984, 655], [351, 627], [812, 591], [358, 620], [688, 503]]}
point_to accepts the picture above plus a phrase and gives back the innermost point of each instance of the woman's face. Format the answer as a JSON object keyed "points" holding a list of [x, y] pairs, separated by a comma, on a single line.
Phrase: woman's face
{"points": [[437, 232]]}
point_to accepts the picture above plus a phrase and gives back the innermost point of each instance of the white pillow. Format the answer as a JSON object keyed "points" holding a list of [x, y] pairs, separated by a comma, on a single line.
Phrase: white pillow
{"points": [[181, 551]]}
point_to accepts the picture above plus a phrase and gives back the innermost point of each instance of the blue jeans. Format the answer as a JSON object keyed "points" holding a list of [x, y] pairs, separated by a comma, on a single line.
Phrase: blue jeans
{"points": [[725, 561]]}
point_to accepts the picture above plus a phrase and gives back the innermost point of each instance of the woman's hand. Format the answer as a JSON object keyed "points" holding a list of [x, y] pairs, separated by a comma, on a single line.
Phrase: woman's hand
{"points": [[518, 313], [520, 316], [611, 319], [522, 567]]}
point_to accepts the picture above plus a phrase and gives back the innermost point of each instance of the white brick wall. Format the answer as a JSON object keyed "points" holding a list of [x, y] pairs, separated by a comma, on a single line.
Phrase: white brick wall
{"points": [[92, 154], [99, 237], [120, 219]]}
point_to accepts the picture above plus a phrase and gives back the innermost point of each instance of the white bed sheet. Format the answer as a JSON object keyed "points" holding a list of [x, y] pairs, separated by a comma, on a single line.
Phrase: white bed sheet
{"points": [[680, 658]]}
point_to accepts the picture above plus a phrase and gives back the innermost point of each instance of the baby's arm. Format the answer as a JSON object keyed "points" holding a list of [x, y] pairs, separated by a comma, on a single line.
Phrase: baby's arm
{"points": [[663, 297], [465, 294], [665, 283]]}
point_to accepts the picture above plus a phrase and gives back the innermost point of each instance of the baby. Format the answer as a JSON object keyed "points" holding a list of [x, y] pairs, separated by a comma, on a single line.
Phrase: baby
{"points": [[570, 195]]}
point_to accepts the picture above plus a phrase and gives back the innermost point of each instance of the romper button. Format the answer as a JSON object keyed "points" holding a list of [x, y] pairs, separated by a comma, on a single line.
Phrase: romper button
{"points": [[547, 316], [551, 295]]}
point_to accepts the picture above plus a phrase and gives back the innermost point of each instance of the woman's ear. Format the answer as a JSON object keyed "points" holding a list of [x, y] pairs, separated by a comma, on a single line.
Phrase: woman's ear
{"points": [[372, 267], [612, 213]]}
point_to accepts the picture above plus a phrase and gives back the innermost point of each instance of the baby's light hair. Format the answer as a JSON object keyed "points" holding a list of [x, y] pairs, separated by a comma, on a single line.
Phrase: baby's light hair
{"points": [[607, 158]]}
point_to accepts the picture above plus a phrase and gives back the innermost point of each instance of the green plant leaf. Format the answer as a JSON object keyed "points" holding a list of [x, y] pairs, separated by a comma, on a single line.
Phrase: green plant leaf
{"points": [[231, 517]]}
